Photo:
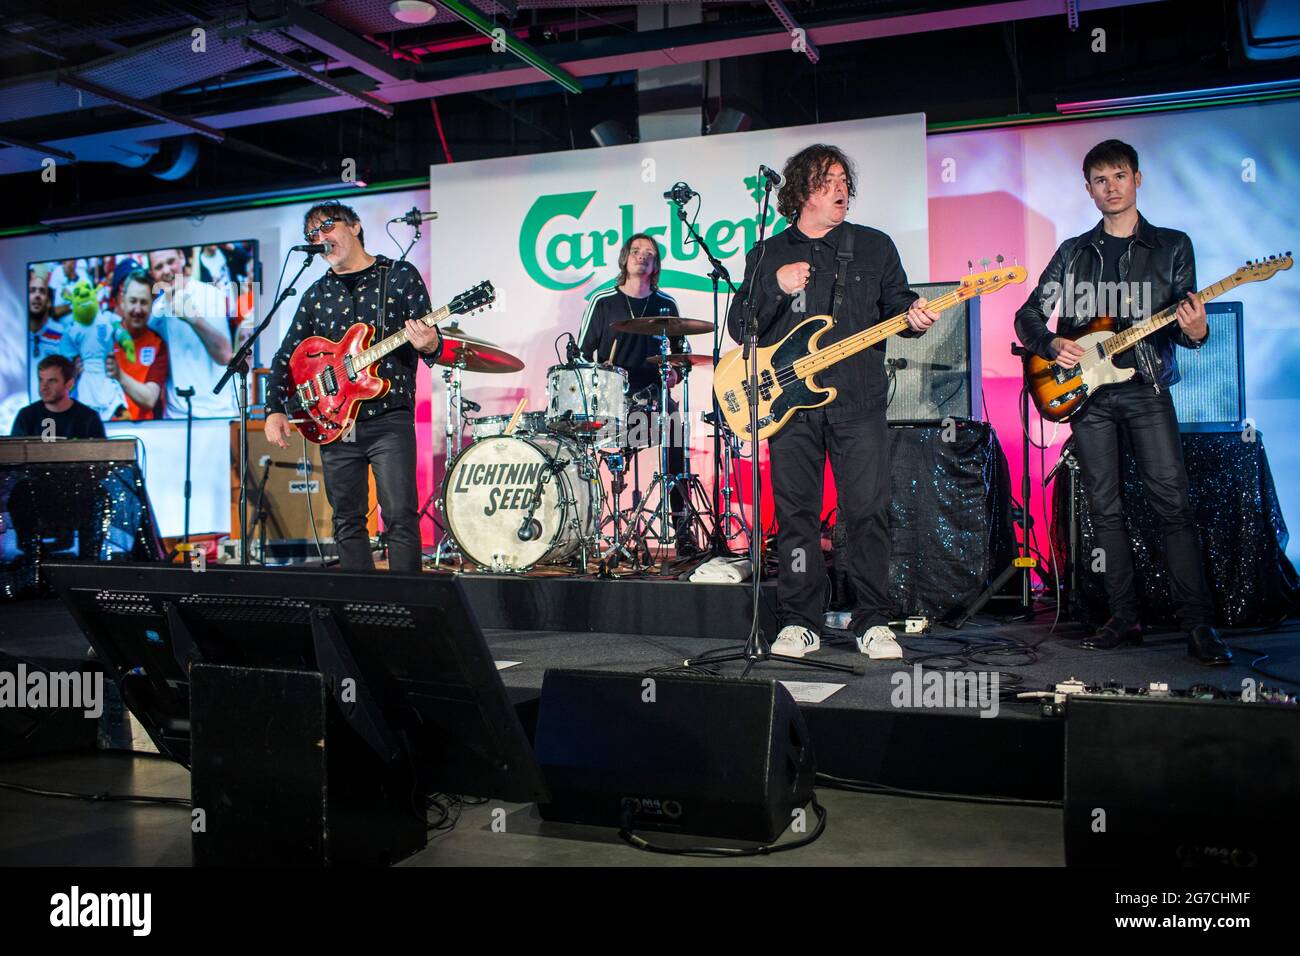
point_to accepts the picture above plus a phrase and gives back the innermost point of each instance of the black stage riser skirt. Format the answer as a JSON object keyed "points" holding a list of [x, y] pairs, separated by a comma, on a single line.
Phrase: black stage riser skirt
{"points": [[949, 519], [1243, 536]]}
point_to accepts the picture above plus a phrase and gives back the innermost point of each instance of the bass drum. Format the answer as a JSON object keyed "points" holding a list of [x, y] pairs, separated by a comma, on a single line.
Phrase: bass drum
{"points": [[489, 491]]}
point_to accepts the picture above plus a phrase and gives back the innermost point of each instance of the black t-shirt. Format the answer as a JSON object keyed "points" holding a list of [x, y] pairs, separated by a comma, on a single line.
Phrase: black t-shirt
{"points": [[1112, 249], [76, 421], [350, 279], [634, 351]]}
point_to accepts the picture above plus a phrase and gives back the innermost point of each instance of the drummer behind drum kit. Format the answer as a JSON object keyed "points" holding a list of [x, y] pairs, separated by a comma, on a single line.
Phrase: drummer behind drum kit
{"points": [[527, 489]]}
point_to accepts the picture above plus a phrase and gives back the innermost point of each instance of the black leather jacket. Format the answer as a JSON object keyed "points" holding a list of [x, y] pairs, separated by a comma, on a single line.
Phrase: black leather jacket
{"points": [[1162, 257]]}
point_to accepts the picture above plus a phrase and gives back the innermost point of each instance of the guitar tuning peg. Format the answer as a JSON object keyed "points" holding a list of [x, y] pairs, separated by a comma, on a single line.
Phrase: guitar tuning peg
{"points": [[1000, 260], [984, 262], [970, 265]]}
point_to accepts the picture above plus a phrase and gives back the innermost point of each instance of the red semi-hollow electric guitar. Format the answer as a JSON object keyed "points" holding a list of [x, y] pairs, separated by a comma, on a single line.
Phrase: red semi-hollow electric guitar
{"points": [[329, 380]]}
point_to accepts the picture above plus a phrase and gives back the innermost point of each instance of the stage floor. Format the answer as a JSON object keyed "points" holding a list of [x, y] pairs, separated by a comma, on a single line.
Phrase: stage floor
{"points": [[857, 733]]}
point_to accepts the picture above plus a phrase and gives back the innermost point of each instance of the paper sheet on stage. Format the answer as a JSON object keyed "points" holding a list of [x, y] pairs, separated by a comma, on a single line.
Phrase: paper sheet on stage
{"points": [[502, 665], [810, 692]]}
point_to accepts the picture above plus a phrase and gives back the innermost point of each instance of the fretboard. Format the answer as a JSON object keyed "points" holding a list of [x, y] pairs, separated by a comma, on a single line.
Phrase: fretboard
{"points": [[1135, 333], [368, 357], [825, 358]]}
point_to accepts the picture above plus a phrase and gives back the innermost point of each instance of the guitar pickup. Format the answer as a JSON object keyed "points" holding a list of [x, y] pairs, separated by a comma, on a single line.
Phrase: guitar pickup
{"points": [[1063, 375], [765, 385], [1067, 396], [348, 368], [329, 381]]}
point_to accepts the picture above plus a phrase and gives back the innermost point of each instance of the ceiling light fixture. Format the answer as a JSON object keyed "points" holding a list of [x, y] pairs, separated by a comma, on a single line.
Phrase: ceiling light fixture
{"points": [[412, 11]]}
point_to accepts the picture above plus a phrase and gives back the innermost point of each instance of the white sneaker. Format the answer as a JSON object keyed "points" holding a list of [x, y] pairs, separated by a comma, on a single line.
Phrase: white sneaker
{"points": [[796, 641], [879, 644]]}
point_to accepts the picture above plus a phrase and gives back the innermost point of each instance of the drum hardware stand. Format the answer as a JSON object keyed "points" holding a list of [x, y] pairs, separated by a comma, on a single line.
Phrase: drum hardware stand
{"points": [[264, 513], [664, 481], [617, 465], [756, 649], [729, 518], [455, 428]]}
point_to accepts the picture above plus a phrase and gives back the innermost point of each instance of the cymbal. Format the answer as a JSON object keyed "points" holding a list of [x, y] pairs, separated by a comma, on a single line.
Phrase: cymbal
{"points": [[462, 350], [680, 359], [663, 325]]}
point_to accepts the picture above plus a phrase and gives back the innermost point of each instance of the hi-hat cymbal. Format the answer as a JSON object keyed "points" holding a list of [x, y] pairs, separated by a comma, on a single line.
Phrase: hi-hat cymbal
{"points": [[679, 359], [664, 325], [462, 350]]}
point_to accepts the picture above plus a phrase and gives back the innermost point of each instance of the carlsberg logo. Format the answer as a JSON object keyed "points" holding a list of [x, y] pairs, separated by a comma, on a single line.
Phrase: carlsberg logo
{"points": [[575, 243]]}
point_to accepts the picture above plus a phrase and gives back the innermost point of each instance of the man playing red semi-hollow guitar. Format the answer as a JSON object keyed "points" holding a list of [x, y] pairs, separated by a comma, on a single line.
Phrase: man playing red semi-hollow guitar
{"points": [[384, 435], [1126, 252]]}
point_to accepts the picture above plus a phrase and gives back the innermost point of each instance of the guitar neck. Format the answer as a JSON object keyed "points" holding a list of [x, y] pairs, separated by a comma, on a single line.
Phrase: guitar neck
{"points": [[825, 358], [368, 357], [1136, 333]]}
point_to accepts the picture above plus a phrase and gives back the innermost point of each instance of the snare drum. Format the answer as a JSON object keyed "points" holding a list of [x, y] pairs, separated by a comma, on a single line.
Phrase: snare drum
{"points": [[586, 401], [530, 423], [489, 491]]}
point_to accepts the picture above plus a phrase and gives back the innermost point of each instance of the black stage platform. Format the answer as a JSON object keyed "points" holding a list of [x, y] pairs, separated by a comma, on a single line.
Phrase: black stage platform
{"points": [[859, 732]]}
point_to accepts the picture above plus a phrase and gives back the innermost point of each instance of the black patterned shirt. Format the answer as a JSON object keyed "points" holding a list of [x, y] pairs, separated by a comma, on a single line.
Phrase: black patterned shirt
{"points": [[329, 309]]}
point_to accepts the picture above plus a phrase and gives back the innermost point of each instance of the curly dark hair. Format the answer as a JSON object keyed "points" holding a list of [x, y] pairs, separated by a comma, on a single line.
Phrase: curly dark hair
{"points": [[339, 212], [805, 173]]}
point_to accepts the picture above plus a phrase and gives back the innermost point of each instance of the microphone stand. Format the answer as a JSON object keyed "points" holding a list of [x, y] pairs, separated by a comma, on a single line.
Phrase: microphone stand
{"points": [[717, 537], [188, 395], [757, 650], [238, 365]]}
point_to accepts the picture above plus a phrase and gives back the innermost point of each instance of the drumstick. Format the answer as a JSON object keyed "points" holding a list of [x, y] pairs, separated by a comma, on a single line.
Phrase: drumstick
{"points": [[519, 410], [612, 349]]}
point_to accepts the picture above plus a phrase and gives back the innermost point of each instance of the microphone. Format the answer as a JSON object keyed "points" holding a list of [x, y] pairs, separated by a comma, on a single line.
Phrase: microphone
{"points": [[681, 193], [415, 217], [571, 351], [530, 529], [315, 248], [467, 406], [771, 175], [896, 363]]}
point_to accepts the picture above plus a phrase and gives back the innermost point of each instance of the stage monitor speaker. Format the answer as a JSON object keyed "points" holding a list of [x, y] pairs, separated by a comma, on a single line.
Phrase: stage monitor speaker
{"points": [[1180, 783], [937, 375], [44, 703], [680, 753], [1211, 396]]}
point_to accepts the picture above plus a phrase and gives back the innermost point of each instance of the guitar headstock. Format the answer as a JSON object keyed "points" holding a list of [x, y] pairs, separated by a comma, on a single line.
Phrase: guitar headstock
{"points": [[471, 300], [978, 283], [1257, 270]]}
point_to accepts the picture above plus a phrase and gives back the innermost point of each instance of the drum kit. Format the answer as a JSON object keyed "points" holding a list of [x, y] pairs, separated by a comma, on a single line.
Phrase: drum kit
{"points": [[527, 489]]}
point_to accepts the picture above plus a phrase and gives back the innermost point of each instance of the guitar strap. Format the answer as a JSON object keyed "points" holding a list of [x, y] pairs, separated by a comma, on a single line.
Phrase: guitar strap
{"points": [[383, 298], [843, 255]]}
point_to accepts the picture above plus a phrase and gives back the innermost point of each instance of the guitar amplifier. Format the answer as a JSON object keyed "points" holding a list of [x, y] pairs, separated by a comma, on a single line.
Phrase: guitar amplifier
{"points": [[1211, 397], [936, 376]]}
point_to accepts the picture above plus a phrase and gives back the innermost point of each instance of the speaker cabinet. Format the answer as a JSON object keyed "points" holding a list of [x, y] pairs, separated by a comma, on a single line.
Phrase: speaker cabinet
{"points": [[1211, 395], [937, 375], [1180, 783], [282, 780], [292, 478], [728, 758]]}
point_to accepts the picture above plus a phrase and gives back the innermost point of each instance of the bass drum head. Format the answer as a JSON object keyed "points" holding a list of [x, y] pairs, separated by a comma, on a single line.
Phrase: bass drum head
{"points": [[487, 494]]}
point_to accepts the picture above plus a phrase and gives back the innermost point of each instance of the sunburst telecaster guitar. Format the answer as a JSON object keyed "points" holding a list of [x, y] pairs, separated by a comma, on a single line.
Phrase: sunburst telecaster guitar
{"points": [[1060, 393], [329, 380], [786, 369]]}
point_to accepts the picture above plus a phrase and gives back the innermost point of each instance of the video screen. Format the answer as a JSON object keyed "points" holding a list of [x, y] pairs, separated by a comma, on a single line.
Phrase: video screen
{"points": [[141, 327]]}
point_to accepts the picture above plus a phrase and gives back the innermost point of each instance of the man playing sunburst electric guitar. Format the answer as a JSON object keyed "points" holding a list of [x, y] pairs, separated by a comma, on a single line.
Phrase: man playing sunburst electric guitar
{"points": [[350, 291], [1130, 269], [795, 278]]}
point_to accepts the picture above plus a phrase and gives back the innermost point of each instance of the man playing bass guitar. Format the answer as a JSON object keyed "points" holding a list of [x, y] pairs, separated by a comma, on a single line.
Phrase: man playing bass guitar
{"points": [[1139, 269], [794, 278], [384, 434]]}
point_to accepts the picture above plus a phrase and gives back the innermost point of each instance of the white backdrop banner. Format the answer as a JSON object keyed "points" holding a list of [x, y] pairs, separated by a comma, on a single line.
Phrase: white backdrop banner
{"points": [[547, 229]]}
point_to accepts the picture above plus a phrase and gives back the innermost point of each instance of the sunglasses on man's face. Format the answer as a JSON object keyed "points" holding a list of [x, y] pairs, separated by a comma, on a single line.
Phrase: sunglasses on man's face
{"points": [[325, 228]]}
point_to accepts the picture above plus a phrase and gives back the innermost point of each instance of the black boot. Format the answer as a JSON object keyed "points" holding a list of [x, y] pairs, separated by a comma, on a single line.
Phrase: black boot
{"points": [[1204, 643], [1114, 633]]}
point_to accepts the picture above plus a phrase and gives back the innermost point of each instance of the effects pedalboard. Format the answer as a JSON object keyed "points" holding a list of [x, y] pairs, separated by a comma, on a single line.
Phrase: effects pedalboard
{"points": [[1053, 703]]}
